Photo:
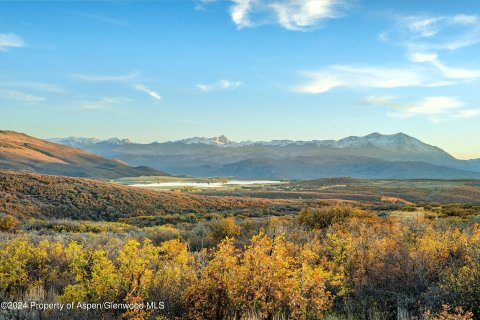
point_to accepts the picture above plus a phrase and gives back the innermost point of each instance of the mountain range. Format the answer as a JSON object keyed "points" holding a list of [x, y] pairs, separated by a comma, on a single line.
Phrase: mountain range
{"points": [[397, 156], [20, 152], [79, 142]]}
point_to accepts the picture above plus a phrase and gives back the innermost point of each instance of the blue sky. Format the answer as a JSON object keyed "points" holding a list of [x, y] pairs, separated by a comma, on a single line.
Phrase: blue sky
{"points": [[249, 69]]}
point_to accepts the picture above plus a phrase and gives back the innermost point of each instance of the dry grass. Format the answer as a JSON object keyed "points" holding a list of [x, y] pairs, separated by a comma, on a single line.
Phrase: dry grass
{"points": [[42, 196]]}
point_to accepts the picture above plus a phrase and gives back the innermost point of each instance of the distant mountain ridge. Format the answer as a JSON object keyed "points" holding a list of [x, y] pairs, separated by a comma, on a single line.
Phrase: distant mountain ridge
{"points": [[393, 142], [20, 152], [79, 142], [372, 156]]}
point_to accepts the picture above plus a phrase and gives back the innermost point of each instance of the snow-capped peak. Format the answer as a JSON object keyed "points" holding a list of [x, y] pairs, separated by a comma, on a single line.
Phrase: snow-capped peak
{"points": [[117, 141], [215, 141], [75, 141], [398, 140], [375, 139], [79, 142]]}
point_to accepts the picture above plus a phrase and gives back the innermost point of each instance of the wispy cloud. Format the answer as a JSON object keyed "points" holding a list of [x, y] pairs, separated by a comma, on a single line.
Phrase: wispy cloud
{"points": [[436, 75], [427, 33], [201, 5], [448, 72], [98, 77], [368, 76], [430, 106], [380, 100], [103, 19], [20, 96], [38, 86], [435, 109], [424, 26], [298, 15], [10, 40], [219, 85], [424, 68], [468, 113], [142, 88], [103, 103]]}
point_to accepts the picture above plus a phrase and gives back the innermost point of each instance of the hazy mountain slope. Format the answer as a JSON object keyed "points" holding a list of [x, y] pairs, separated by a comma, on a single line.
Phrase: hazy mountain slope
{"points": [[35, 195], [474, 164], [21, 152], [305, 167], [371, 156], [355, 167]]}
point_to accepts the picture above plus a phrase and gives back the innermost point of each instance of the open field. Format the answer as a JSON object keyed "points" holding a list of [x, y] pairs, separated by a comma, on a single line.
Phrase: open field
{"points": [[371, 191]]}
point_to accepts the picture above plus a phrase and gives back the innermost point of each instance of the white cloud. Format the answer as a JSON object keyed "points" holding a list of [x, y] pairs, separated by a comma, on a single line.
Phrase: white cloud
{"points": [[423, 26], [202, 4], [422, 36], [431, 106], [447, 72], [116, 100], [219, 85], [424, 33], [457, 73], [142, 88], [103, 103], [469, 113], [370, 77], [39, 86], [465, 19], [380, 100], [423, 57], [10, 40], [297, 15], [432, 74], [239, 12], [20, 96], [96, 77], [435, 109]]}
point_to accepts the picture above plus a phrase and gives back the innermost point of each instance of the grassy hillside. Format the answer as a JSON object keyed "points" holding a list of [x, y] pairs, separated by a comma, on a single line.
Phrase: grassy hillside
{"points": [[414, 190], [21, 152], [34, 195]]}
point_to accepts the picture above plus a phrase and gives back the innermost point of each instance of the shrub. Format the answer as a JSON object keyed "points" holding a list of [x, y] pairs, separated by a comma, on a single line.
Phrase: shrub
{"points": [[7, 222], [320, 218]]}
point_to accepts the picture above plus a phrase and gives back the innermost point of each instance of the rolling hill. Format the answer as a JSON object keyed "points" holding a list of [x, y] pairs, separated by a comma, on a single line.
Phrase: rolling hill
{"points": [[396, 156], [26, 195], [21, 152]]}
